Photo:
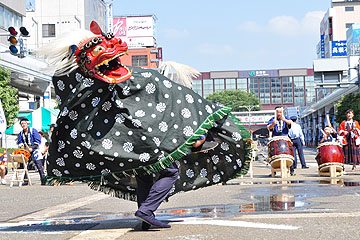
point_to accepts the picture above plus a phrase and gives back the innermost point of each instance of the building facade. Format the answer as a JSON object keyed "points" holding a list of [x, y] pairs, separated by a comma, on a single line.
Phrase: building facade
{"points": [[139, 32], [12, 13], [286, 87], [333, 27], [48, 19]]}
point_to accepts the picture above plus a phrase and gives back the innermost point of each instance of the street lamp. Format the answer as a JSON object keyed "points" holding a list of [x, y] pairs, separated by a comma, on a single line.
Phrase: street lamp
{"points": [[249, 108]]}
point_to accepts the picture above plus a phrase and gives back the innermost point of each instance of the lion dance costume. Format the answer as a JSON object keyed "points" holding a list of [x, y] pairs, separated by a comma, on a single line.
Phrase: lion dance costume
{"points": [[118, 122]]}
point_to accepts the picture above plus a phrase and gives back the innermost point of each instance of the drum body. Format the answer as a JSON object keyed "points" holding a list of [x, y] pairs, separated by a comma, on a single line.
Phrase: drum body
{"points": [[24, 152], [280, 148], [330, 154]]}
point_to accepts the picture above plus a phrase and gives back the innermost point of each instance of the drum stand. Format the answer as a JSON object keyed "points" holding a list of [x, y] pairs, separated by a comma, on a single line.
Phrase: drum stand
{"points": [[281, 164], [331, 171], [284, 170]]}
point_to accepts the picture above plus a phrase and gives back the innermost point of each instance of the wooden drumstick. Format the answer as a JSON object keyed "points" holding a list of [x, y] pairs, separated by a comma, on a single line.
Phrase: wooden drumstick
{"points": [[27, 146]]}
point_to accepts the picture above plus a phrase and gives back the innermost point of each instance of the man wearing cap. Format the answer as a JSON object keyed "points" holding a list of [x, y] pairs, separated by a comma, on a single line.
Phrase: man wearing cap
{"points": [[29, 139], [297, 137]]}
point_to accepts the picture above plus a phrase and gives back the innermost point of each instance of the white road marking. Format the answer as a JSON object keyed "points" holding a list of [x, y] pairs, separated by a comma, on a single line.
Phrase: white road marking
{"points": [[300, 215], [100, 231], [230, 223], [103, 234], [62, 208]]}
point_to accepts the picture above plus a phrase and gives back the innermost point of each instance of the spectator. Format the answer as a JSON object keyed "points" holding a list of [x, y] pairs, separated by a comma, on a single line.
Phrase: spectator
{"points": [[29, 139], [349, 130], [3, 170], [42, 146]]}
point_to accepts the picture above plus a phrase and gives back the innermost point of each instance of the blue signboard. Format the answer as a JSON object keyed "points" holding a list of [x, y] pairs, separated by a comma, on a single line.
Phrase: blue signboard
{"points": [[338, 48], [322, 46]]}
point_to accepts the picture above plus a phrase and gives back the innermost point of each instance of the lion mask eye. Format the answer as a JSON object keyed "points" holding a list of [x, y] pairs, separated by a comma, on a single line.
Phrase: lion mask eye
{"points": [[97, 50]]}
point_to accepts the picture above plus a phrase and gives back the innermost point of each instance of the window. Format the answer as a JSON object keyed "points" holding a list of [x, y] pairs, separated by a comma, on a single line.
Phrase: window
{"points": [[275, 90], [348, 25], [48, 30], [254, 86], [197, 86], [299, 91], [139, 60], [219, 84], [230, 84], [264, 84], [349, 9], [287, 89], [208, 86], [310, 90], [242, 84]]}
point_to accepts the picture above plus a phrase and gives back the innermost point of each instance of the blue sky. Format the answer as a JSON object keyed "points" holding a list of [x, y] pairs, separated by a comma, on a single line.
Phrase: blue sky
{"points": [[234, 34]]}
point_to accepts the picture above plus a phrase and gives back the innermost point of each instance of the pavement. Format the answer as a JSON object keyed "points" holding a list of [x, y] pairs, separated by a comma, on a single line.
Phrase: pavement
{"points": [[304, 206]]}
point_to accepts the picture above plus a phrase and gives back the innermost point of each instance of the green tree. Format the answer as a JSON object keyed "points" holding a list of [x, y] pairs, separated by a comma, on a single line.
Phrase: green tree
{"points": [[235, 98], [351, 101], [8, 96]]}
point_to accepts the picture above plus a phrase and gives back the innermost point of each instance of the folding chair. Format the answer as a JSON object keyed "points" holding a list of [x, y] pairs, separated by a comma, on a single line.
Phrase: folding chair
{"points": [[19, 173]]}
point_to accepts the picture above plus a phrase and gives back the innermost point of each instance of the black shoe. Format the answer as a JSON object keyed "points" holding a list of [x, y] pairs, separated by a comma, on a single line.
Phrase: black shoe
{"points": [[292, 174], [25, 184], [206, 146], [305, 167], [151, 220]]}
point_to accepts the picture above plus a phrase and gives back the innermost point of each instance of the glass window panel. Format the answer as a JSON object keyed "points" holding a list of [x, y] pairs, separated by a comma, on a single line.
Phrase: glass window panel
{"points": [[287, 90], [48, 30], [253, 86], [219, 84], [208, 87], [242, 84], [2, 17], [197, 86], [275, 90], [230, 83], [310, 90], [139, 60]]}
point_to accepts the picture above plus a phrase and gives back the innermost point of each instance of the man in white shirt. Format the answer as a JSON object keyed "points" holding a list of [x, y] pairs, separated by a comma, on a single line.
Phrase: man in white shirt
{"points": [[297, 137]]}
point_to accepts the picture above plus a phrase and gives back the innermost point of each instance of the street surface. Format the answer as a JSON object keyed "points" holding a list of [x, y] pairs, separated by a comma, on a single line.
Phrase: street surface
{"points": [[304, 206]]}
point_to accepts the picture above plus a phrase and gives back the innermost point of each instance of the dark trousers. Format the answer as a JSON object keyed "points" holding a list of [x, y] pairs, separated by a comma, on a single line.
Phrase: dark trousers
{"points": [[39, 166], [299, 147], [150, 195]]}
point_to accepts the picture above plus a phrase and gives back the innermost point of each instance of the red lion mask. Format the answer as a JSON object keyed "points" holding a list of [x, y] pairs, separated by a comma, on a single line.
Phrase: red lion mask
{"points": [[99, 57]]}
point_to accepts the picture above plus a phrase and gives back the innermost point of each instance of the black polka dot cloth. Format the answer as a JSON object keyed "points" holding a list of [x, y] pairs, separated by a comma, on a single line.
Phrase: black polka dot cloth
{"points": [[107, 133]]}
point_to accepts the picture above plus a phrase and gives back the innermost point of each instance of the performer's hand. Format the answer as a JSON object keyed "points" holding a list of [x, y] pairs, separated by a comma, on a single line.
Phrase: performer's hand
{"points": [[346, 132], [30, 149]]}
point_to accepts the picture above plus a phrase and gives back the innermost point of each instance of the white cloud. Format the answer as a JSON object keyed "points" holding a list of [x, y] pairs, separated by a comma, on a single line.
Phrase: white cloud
{"points": [[311, 22], [174, 33], [250, 26], [287, 25], [214, 49], [284, 25]]}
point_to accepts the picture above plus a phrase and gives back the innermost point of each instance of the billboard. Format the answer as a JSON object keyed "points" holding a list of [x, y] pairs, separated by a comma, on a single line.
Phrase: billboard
{"points": [[136, 31], [322, 46], [258, 73], [338, 48]]}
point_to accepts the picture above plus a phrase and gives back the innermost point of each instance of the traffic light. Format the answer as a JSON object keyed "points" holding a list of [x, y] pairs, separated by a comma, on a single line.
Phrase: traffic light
{"points": [[13, 41], [16, 41]]}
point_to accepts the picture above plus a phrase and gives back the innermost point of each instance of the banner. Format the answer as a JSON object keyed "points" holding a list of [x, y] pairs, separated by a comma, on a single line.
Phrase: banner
{"points": [[2, 119]]}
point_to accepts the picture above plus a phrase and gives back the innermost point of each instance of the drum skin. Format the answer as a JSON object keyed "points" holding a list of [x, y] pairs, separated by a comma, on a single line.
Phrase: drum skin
{"points": [[280, 146], [330, 153], [24, 152]]}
